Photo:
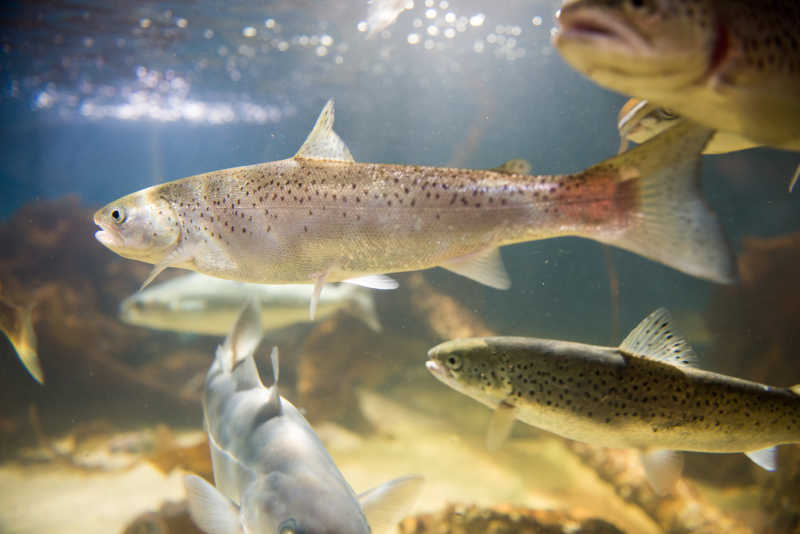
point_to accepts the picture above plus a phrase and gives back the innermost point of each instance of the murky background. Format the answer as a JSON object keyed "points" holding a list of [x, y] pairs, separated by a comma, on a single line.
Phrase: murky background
{"points": [[100, 99]]}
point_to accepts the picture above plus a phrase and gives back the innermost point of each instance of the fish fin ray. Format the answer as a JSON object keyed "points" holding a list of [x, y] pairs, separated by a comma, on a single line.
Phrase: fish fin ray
{"points": [[500, 425], [671, 223], [374, 281], [654, 338], [319, 283], [795, 177], [387, 504], [361, 305], [765, 458], [514, 166], [485, 266], [663, 469], [323, 142], [238, 348], [210, 510]]}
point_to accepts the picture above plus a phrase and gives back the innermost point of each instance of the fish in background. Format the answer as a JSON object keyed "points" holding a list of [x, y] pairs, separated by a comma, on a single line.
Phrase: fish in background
{"points": [[322, 217], [16, 324], [201, 304], [272, 474], [730, 65], [638, 121], [644, 394]]}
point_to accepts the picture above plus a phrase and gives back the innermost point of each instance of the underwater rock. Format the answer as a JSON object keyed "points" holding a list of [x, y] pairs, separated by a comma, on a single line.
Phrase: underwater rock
{"points": [[170, 518], [683, 511], [503, 519]]}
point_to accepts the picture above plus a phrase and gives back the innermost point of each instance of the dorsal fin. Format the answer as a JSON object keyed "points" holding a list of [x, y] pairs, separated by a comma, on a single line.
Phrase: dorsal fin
{"points": [[654, 338], [243, 340], [514, 166], [323, 142], [274, 401]]}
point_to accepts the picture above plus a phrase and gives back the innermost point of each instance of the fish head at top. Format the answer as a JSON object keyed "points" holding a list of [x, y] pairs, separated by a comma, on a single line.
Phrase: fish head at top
{"points": [[639, 47], [470, 366], [140, 226], [300, 503]]}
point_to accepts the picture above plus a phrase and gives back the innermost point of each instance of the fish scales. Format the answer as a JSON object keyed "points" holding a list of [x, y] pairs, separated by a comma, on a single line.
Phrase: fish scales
{"points": [[322, 217], [602, 396], [372, 217]]}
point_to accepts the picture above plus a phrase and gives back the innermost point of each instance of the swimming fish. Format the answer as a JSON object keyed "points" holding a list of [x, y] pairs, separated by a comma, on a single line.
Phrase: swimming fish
{"points": [[272, 473], [16, 324], [638, 120], [730, 65], [321, 217], [201, 304], [643, 394]]}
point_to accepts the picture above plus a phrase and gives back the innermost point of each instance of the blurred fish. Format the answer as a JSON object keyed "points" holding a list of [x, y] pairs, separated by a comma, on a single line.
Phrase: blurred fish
{"points": [[204, 305], [730, 65], [638, 121], [15, 322], [383, 13], [272, 473], [644, 394], [320, 216]]}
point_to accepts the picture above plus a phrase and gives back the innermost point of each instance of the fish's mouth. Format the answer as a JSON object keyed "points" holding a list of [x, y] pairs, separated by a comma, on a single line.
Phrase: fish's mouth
{"points": [[436, 369], [596, 27]]}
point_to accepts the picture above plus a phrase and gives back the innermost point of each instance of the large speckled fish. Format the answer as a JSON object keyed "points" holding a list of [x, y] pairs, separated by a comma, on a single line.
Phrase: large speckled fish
{"points": [[643, 394], [272, 474], [731, 65], [320, 216]]}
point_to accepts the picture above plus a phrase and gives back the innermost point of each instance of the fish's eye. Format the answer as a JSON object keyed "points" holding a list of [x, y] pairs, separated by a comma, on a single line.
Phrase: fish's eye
{"points": [[288, 527], [118, 215], [454, 362]]}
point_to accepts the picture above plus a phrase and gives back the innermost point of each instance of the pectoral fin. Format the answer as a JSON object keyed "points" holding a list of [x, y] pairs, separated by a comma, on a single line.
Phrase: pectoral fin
{"points": [[484, 266], [500, 426], [663, 469], [765, 458], [387, 504], [180, 254], [211, 511]]}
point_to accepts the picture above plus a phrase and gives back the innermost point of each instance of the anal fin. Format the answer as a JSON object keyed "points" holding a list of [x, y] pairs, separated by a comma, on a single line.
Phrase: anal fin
{"points": [[663, 469], [485, 266]]}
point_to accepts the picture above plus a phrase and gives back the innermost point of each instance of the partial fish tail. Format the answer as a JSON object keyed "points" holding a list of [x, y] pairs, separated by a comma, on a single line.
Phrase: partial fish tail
{"points": [[671, 223]]}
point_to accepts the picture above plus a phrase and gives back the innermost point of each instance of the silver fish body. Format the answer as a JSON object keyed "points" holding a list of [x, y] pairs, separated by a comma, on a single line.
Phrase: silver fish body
{"points": [[201, 304], [272, 473]]}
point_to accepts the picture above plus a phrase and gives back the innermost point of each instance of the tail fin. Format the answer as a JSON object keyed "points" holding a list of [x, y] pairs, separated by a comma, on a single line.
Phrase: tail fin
{"points": [[235, 354], [361, 305], [672, 223]]}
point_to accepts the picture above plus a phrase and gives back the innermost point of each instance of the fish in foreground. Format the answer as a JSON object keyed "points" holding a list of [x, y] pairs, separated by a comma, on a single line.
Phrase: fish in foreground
{"points": [[644, 394], [201, 304], [321, 217], [730, 65], [16, 324], [639, 120], [271, 471]]}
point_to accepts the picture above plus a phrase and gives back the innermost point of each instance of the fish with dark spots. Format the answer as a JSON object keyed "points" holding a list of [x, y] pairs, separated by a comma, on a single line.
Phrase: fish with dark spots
{"points": [[644, 394], [647, 201], [730, 65]]}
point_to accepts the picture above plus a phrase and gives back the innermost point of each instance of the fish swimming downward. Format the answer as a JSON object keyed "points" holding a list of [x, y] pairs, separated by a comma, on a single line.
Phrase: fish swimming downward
{"points": [[201, 304], [321, 217], [271, 471], [730, 65], [639, 121], [643, 394]]}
